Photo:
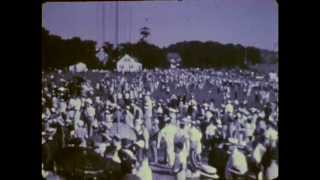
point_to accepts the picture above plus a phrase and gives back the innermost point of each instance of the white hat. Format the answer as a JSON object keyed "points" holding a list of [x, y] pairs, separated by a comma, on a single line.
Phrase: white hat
{"points": [[209, 114], [140, 144], [89, 101], [173, 110], [139, 121], [271, 119], [262, 114], [80, 123]]}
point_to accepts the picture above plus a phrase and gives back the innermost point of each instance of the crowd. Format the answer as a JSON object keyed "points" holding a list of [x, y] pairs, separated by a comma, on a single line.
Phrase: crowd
{"points": [[211, 123]]}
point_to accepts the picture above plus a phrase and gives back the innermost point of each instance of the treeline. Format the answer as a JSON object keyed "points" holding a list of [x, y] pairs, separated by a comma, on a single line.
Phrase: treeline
{"points": [[60, 53], [214, 54]]}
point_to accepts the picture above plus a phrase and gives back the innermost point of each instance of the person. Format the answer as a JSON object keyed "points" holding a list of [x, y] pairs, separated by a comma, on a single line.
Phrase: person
{"points": [[270, 163], [143, 170], [218, 157], [180, 164], [211, 130], [128, 117], [148, 107], [153, 140], [168, 134], [128, 165], [89, 116], [101, 147], [81, 133], [195, 136], [118, 114], [237, 166], [142, 141]]}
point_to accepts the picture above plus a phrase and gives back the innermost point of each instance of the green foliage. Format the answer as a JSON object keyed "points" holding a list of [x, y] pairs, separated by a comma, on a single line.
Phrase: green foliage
{"points": [[149, 55], [214, 54], [60, 53]]}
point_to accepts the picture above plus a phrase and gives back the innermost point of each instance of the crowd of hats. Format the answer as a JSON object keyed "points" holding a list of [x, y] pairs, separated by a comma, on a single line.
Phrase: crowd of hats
{"points": [[238, 120]]}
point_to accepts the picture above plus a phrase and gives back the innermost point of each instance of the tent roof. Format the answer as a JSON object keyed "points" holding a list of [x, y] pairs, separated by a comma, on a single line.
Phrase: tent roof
{"points": [[130, 58]]}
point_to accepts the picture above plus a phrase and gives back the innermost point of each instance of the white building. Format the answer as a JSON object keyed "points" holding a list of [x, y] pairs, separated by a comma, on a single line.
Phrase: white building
{"points": [[128, 64], [79, 67]]}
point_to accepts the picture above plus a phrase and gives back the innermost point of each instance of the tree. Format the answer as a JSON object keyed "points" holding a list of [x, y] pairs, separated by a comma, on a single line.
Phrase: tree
{"points": [[61, 53]]}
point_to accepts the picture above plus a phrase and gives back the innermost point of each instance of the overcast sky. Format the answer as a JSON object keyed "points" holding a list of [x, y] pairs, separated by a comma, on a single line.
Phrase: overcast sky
{"points": [[247, 22]]}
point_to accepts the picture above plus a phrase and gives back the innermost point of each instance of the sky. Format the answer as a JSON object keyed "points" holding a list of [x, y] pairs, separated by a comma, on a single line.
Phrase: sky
{"points": [[245, 22]]}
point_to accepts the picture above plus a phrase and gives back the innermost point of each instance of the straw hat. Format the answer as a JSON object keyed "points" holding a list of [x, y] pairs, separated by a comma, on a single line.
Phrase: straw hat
{"points": [[173, 110], [140, 143], [184, 120], [262, 114]]}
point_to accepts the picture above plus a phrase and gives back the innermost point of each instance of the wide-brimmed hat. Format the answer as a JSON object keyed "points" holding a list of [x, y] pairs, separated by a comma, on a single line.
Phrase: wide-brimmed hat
{"points": [[50, 130], [173, 110], [184, 120], [88, 101], [262, 114], [253, 110]]}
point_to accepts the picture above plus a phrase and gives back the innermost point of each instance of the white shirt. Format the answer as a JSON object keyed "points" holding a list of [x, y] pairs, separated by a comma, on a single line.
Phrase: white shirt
{"points": [[271, 134], [90, 111], [258, 152], [168, 133], [237, 161], [211, 130]]}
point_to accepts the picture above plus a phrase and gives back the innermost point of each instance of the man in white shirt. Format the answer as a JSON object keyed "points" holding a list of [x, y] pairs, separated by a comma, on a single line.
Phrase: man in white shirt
{"points": [[237, 165], [128, 117], [195, 138], [168, 134]]}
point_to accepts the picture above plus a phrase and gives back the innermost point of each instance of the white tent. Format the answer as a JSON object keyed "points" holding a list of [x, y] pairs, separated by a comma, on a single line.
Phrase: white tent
{"points": [[80, 67], [128, 64]]}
